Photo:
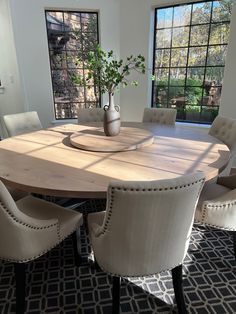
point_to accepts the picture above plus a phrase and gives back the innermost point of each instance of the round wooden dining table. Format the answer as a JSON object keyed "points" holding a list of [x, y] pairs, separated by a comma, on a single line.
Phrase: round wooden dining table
{"points": [[46, 163]]}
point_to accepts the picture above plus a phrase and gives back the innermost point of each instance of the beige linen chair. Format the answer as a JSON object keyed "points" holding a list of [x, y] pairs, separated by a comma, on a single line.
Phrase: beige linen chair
{"points": [[90, 115], [160, 115], [217, 205], [145, 230], [17, 124], [225, 130], [29, 228], [20, 123]]}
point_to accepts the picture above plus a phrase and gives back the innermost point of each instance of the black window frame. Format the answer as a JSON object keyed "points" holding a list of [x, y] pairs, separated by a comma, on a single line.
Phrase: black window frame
{"points": [[85, 103], [188, 46]]}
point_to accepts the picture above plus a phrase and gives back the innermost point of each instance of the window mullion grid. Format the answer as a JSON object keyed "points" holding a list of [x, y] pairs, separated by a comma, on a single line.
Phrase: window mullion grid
{"points": [[154, 58], [82, 54], [171, 39], [197, 24], [66, 52], [186, 69], [205, 67]]}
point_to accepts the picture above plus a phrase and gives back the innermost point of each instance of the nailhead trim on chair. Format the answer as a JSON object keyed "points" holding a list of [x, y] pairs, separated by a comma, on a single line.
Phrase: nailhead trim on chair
{"points": [[35, 228], [105, 228], [23, 223], [204, 214], [42, 253]]}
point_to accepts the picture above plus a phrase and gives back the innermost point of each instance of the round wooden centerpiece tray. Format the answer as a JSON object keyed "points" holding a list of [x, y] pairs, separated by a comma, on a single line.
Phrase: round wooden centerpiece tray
{"points": [[95, 140]]}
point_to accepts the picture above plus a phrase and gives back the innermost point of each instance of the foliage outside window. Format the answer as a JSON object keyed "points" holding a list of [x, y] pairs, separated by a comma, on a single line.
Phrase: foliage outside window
{"points": [[190, 48], [71, 36]]}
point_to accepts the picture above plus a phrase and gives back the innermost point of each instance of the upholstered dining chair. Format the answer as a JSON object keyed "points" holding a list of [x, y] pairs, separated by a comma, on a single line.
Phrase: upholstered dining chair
{"points": [[29, 228], [20, 123], [90, 115], [225, 130], [145, 230], [217, 205], [160, 115]]}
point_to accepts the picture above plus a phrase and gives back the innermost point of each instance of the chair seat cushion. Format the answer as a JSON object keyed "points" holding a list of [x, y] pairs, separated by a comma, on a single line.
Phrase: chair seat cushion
{"points": [[69, 220]]}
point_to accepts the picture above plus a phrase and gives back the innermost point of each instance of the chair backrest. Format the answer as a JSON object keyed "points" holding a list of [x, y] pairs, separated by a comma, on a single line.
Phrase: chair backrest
{"points": [[160, 115], [90, 115], [21, 123], [147, 225], [225, 130], [21, 236]]}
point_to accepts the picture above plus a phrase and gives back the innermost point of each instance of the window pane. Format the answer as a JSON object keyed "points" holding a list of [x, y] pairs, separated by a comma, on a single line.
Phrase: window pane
{"points": [[201, 13], [194, 95], [177, 95], [208, 114], [180, 36], [163, 38], [193, 113], [182, 15], [162, 76], [222, 10], [216, 55], [190, 69], [215, 74], [195, 76], [71, 42], [197, 56], [162, 58], [212, 93], [72, 21], [177, 76], [160, 96], [199, 35], [179, 57], [164, 17], [219, 34], [71, 36]]}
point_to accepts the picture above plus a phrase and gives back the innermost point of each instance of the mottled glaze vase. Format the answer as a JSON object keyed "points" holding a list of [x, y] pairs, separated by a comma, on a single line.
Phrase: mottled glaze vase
{"points": [[111, 121]]}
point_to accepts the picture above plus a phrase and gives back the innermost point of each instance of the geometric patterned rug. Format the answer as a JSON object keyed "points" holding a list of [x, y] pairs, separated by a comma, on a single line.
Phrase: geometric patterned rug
{"points": [[55, 285]]}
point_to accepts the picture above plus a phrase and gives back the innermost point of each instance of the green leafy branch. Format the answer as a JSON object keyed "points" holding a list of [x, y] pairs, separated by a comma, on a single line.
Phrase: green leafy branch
{"points": [[105, 71]]}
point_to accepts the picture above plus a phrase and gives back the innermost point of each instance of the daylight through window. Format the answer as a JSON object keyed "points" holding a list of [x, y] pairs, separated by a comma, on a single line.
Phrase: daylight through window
{"points": [[71, 35], [190, 47]]}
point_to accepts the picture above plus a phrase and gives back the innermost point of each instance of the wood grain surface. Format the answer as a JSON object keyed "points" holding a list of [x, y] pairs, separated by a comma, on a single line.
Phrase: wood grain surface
{"points": [[45, 162], [96, 141]]}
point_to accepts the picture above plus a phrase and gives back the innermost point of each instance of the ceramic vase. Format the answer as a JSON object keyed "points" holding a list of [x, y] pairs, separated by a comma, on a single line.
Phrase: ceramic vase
{"points": [[111, 121]]}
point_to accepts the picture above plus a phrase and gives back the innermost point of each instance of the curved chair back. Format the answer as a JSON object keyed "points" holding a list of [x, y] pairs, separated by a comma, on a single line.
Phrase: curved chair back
{"points": [[147, 225], [16, 228], [90, 115], [160, 115], [225, 130], [20, 123]]}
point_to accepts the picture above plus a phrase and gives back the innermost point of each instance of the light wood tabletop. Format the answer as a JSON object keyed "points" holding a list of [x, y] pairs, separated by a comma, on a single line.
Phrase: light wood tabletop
{"points": [[45, 162]]}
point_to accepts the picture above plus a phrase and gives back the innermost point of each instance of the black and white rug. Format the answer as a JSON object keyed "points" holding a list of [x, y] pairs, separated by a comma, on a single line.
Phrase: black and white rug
{"points": [[54, 285]]}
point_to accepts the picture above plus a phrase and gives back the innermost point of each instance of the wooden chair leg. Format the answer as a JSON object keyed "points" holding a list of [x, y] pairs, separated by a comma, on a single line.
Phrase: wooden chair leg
{"points": [[115, 295], [234, 243], [76, 252], [178, 289], [20, 287]]}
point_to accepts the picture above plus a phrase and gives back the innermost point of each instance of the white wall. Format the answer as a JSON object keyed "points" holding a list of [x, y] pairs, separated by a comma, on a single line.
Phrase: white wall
{"points": [[125, 27], [32, 48], [228, 98], [11, 98]]}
